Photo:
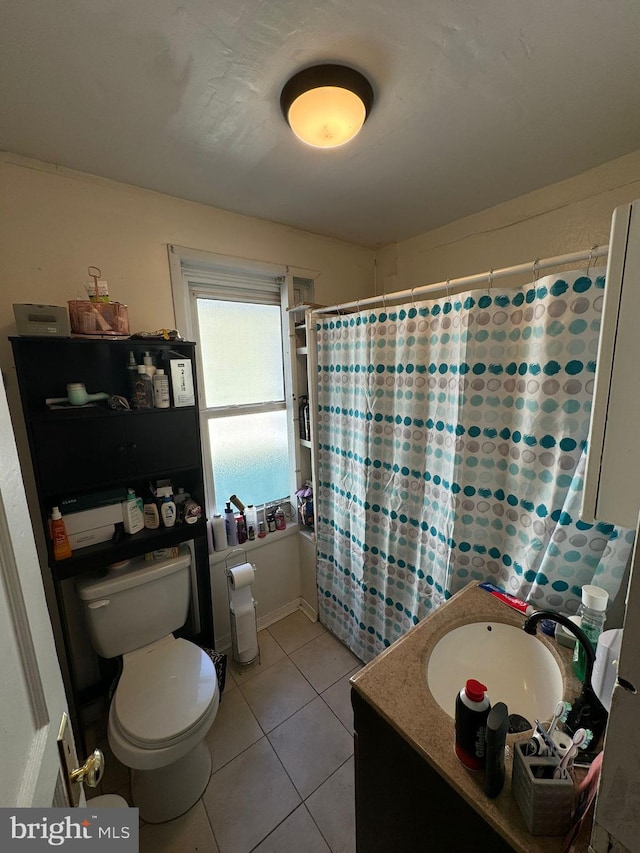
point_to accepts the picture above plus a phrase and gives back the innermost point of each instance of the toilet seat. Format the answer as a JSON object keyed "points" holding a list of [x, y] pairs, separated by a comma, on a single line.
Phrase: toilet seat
{"points": [[165, 690]]}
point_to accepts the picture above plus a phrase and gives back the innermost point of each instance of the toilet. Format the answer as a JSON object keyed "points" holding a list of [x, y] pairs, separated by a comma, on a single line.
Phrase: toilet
{"points": [[167, 696]]}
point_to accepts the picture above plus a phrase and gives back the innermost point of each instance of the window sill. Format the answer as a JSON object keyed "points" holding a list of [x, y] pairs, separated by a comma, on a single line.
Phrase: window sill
{"points": [[253, 544]]}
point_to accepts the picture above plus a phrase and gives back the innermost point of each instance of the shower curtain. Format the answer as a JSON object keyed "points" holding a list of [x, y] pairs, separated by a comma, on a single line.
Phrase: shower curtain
{"points": [[452, 437]]}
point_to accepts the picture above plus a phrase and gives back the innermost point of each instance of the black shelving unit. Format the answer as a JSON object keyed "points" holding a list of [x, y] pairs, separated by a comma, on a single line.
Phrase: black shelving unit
{"points": [[77, 451]]}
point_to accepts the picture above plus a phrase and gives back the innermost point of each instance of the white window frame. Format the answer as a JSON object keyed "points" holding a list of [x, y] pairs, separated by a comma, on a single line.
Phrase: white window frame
{"points": [[208, 271]]}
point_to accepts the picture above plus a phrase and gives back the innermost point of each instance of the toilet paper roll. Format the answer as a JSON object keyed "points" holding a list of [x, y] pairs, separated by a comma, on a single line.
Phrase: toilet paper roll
{"points": [[241, 576], [246, 636]]}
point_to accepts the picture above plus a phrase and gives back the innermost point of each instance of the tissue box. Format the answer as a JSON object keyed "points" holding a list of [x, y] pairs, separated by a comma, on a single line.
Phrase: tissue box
{"points": [[547, 804]]}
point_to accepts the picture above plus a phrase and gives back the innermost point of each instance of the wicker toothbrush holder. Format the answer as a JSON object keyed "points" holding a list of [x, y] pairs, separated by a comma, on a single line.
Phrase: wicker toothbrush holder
{"points": [[547, 804]]}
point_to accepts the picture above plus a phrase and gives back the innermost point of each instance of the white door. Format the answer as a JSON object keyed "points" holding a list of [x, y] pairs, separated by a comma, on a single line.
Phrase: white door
{"points": [[32, 700]]}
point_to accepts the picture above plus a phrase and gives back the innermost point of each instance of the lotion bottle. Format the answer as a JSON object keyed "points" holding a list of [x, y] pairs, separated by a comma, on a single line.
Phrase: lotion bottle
{"points": [[151, 515], [472, 710], [61, 547], [132, 513], [167, 506]]}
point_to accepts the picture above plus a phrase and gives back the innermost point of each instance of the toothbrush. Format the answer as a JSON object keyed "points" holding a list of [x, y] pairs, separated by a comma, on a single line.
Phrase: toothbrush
{"points": [[562, 770], [560, 709]]}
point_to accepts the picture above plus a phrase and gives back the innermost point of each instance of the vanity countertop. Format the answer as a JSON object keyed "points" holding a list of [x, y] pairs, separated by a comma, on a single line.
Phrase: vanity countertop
{"points": [[394, 685]]}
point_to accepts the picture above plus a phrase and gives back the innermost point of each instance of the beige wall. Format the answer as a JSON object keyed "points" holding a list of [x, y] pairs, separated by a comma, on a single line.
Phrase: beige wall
{"points": [[565, 217], [55, 222]]}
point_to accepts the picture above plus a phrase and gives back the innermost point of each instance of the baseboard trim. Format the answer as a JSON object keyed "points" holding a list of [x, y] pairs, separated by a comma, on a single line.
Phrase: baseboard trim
{"points": [[309, 611]]}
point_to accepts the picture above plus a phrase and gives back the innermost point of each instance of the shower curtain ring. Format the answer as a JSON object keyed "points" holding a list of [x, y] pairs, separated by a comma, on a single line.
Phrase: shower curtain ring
{"points": [[536, 271], [490, 281], [446, 284], [384, 301], [589, 261], [413, 299]]}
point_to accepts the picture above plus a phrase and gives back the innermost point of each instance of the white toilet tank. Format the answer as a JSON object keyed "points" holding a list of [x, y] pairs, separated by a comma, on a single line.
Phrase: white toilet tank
{"points": [[132, 607]]}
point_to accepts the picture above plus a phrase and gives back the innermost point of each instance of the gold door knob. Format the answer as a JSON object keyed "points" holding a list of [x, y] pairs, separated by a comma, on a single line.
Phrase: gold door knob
{"points": [[91, 771]]}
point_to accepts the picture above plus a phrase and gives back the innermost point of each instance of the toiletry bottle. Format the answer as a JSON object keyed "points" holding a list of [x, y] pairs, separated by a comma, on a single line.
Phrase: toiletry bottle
{"points": [[497, 726], [132, 367], [149, 366], [61, 547], [241, 528], [280, 520], [143, 389], [161, 398], [271, 522], [592, 614], [180, 499], [230, 523], [251, 517], [167, 508], [151, 514], [132, 513], [472, 709], [302, 417], [219, 532]]}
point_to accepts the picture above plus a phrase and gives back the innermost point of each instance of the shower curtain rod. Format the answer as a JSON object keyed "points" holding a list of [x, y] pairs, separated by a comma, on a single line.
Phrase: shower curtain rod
{"points": [[470, 282]]}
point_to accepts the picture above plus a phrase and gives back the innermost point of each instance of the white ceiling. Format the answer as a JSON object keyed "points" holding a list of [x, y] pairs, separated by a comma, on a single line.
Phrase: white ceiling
{"points": [[477, 101]]}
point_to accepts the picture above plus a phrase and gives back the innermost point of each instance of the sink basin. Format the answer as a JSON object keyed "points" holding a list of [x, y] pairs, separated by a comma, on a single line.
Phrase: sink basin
{"points": [[517, 668]]}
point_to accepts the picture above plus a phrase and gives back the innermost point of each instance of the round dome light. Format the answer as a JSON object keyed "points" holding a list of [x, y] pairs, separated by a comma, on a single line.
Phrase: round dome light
{"points": [[326, 105]]}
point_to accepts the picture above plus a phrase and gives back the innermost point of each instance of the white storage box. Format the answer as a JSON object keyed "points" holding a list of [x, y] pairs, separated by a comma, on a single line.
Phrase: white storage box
{"points": [[90, 519], [84, 538]]}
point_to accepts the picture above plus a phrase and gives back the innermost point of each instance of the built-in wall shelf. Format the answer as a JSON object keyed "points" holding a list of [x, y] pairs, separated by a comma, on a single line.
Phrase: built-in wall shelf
{"points": [[305, 443], [302, 350]]}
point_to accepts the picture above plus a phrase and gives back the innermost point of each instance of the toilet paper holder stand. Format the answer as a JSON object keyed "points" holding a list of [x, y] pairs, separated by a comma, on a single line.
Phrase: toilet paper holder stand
{"points": [[239, 556]]}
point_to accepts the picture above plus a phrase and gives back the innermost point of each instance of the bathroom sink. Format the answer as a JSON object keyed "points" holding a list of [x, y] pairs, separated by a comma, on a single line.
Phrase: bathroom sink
{"points": [[518, 669]]}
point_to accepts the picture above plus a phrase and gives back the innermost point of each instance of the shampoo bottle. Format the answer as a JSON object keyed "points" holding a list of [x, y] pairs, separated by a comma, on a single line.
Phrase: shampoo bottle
{"points": [[142, 389], [472, 710], [230, 523], [132, 513], [61, 547], [161, 399]]}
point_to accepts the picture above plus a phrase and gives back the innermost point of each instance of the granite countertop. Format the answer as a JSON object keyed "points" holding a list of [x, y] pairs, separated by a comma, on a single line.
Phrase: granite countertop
{"points": [[394, 684]]}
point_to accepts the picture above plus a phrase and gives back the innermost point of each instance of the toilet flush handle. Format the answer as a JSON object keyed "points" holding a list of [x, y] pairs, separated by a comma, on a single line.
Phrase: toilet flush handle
{"points": [[94, 605]]}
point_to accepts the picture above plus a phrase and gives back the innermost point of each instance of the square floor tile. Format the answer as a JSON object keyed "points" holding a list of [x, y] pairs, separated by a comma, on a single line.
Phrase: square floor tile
{"points": [[338, 698], [324, 661], [311, 744], [277, 693], [186, 834], [248, 798], [233, 730], [333, 809], [297, 834], [294, 631], [270, 653]]}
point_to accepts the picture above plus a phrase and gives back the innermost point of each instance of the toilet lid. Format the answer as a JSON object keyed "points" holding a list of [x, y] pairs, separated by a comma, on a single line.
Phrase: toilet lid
{"points": [[164, 690]]}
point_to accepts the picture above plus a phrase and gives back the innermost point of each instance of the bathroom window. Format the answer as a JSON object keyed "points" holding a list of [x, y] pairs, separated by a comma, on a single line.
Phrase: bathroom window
{"points": [[238, 318]]}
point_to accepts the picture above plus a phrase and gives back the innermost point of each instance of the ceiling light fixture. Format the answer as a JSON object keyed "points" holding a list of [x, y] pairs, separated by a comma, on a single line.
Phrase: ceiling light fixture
{"points": [[326, 105]]}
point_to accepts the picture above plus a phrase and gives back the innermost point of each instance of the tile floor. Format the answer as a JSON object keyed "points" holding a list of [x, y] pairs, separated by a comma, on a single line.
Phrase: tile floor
{"points": [[282, 751]]}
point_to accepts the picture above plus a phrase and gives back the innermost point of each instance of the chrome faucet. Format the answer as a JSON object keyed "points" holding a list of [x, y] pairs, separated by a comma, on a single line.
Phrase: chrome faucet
{"points": [[587, 711]]}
